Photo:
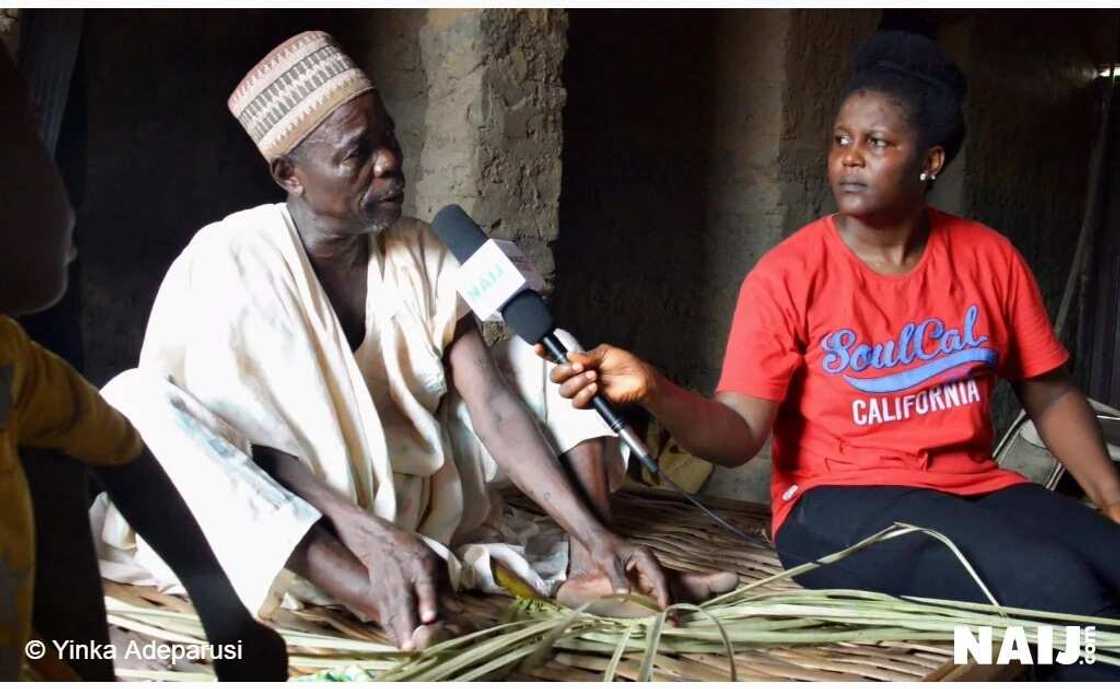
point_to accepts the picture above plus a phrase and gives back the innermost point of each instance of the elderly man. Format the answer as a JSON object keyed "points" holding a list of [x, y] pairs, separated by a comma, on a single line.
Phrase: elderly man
{"points": [[310, 383]]}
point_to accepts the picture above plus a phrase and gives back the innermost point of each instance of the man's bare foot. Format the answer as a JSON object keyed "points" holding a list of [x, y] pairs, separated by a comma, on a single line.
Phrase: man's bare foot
{"points": [[697, 587], [590, 588], [428, 635], [686, 587]]}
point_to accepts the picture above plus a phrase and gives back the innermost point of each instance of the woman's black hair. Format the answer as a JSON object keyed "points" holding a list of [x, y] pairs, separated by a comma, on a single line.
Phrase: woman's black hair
{"points": [[914, 71]]}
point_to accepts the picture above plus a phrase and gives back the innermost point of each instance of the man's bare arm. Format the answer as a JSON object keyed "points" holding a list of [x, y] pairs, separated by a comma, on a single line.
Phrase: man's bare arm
{"points": [[510, 433]]}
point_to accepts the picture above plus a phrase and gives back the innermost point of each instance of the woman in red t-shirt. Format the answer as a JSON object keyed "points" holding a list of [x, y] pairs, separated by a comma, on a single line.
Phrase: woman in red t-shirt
{"points": [[868, 344]]}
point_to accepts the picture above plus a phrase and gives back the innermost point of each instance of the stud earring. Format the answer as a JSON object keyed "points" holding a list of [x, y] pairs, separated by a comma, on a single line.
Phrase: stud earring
{"points": [[924, 176]]}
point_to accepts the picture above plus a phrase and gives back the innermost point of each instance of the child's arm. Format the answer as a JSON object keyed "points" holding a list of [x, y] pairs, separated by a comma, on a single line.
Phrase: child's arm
{"points": [[57, 408], [151, 504]]}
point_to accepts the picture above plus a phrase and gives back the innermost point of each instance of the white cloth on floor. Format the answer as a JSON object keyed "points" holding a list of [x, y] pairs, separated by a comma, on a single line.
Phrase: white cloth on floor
{"points": [[243, 348]]}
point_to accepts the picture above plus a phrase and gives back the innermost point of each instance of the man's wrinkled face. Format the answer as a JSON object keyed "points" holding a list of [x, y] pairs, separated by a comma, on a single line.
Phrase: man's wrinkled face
{"points": [[350, 167]]}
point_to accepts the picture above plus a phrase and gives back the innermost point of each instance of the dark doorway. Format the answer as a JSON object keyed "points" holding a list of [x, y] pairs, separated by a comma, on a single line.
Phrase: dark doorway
{"points": [[637, 126]]}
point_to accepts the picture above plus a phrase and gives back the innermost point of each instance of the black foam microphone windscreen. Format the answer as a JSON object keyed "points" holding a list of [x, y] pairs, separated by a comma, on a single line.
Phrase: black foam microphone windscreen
{"points": [[456, 229], [528, 316]]}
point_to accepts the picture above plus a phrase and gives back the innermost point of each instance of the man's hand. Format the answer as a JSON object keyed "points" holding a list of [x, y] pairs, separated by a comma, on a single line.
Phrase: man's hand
{"points": [[626, 564], [372, 567], [616, 373], [404, 578]]}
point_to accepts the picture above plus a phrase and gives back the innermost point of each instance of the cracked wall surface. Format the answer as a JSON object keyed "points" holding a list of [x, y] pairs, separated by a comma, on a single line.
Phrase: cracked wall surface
{"points": [[521, 132], [477, 96]]}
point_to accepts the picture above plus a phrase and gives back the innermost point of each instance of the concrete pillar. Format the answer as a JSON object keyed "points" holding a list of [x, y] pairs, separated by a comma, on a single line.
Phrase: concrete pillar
{"points": [[454, 58], [781, 76], [818, 61], [744, 204], [745, 208], [478, 98]]}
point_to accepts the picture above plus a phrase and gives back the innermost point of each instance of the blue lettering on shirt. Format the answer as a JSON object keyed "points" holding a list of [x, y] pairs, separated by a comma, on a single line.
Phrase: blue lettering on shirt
{"points": [[938, 347]]}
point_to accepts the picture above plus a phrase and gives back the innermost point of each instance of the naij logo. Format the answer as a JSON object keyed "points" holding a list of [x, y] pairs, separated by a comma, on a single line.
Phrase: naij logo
{"points": [[1076, 644], [940, 348]]}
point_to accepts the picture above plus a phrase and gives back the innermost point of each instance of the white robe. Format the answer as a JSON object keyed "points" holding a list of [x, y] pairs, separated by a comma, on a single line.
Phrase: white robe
{"points": [[243, 348]]}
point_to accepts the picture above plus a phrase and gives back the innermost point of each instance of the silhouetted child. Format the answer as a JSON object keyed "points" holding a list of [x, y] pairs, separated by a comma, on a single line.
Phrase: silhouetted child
{"points": [[44, 403]]}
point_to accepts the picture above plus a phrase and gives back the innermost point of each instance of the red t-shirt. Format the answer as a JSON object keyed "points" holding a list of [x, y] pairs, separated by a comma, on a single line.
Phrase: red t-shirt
{"points": [[887, 379]]}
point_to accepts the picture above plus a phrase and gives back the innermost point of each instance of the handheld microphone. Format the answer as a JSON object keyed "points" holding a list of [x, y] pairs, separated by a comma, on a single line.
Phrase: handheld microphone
{"points": [[489, 281]]}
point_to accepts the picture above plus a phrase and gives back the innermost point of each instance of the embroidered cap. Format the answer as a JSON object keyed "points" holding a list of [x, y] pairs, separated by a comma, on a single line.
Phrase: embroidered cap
{"points": [[293, 89]]}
